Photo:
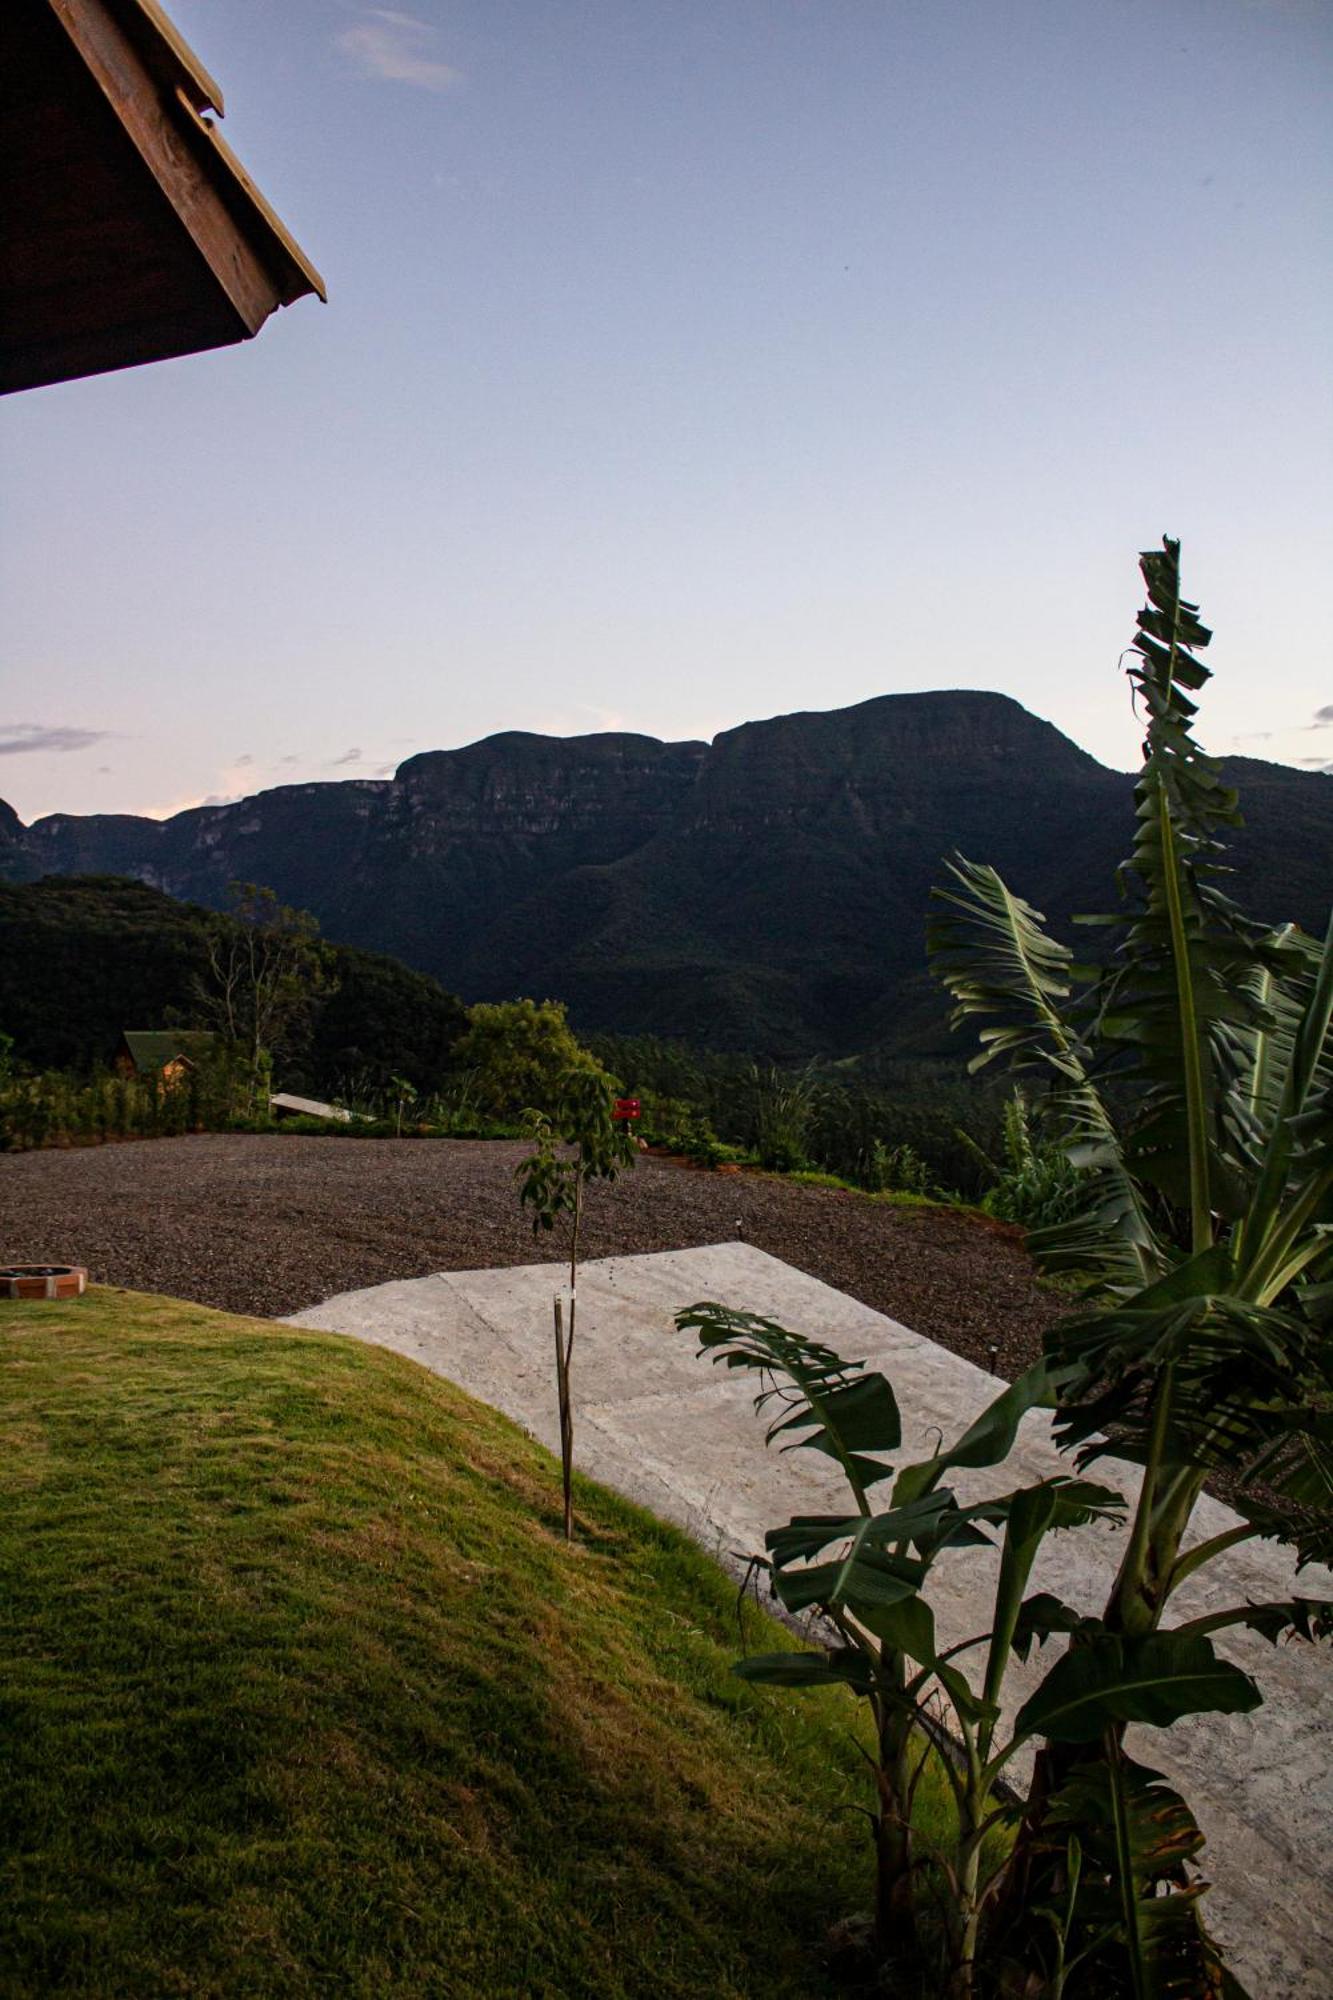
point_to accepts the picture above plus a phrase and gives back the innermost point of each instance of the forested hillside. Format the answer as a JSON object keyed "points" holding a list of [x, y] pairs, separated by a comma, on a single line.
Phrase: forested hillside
{"points": [[85, 957]]}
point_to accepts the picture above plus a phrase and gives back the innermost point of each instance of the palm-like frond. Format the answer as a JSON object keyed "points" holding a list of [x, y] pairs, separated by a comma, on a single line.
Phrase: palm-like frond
{"points": [[1294, 1477], [1136, 1839], [1257, 1054], [1237, 1372], [826, 1404], [1292, 1191], [1178, 988], [993, 953]]}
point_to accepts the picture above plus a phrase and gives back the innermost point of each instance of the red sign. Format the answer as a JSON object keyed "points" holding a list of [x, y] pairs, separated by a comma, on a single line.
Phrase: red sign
{"points": [[626, 1107]]}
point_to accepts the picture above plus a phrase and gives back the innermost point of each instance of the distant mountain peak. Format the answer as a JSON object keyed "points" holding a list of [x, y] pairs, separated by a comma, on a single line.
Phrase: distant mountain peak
{"points": [[767, 890]]}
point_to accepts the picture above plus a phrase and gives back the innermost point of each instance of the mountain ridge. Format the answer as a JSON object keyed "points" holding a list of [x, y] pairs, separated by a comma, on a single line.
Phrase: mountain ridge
{"points": [[766, 890]]}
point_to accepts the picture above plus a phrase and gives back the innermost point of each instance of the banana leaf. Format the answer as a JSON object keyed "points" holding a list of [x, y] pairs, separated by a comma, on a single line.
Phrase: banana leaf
{"points": [[825, 1404], [1109, 1680]]}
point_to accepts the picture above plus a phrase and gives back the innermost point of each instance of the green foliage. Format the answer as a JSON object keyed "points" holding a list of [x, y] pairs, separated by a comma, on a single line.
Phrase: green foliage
{"points": [[1038, 1184], [864, 1575], [378, 1021], [829, 1405], [56, 1109], [679, 1126], [1108, 1678], [783, 1112], [516, 1053], [265, 974], [576, 1141], [898, 1170], [1132, 1838], [83, 958], [888, 1127], [1201, 1220]]}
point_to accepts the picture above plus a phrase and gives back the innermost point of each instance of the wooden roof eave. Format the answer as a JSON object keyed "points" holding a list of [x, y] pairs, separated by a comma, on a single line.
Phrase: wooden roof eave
{"points": [[180, 251], [130, 46], [166, 51], [282, 254]]}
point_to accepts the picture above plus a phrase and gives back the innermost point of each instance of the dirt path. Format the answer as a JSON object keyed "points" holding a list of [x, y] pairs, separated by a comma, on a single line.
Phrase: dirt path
{"points": [[271, 1225]]}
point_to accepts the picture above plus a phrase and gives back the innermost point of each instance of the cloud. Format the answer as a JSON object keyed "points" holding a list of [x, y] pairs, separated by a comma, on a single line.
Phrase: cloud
{"points": [[18, 737], [188, 802], [1323, 717], [396, 48], [241, 762], [289, 760], [348, 757]]}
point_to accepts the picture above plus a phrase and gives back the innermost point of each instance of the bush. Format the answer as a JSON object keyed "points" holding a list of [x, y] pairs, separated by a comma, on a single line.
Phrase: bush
{"points": [[1038, 1185], [898, 1170], [784, 1110]]}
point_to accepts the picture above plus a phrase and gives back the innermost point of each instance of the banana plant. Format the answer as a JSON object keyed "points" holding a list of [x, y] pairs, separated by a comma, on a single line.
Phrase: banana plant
{"points": [[1203, 1338], [864, 1578], [1203, 1242]]}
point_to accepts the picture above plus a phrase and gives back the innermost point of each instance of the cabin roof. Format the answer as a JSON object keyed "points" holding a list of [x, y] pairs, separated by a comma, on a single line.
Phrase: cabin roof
{"points": [[131, 232], [155, 1048]]}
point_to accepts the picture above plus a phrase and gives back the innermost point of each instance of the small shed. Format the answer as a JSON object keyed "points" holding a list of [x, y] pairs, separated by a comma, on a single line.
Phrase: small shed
{"points": [[170, 1053], [130, 232]]}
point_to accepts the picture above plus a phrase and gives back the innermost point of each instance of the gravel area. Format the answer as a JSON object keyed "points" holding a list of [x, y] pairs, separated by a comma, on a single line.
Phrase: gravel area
{"points": [[270, 1225]]}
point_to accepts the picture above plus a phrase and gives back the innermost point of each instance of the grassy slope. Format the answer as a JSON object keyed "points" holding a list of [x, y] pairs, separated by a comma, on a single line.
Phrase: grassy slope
{"points": [[301, 1693]]}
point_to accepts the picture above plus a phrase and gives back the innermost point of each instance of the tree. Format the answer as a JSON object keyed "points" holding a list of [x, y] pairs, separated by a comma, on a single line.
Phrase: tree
{"points": [[266, 969], [379, 1022], [517, 1053], [577, 1141]]}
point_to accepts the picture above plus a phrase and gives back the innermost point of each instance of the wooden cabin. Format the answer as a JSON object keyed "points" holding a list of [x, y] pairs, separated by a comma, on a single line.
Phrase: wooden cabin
{"points": [[169, 1053]]}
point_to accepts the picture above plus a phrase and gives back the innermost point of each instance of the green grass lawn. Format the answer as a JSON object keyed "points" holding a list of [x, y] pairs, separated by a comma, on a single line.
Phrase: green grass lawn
{"points": [[301, 1693]]}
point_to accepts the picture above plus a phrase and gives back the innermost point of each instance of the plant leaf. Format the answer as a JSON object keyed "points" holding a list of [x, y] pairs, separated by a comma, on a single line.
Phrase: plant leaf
{"points": [[1154, 1680], [990, 1438], [833, 1406], [1137, 1838], [843, 1666]]}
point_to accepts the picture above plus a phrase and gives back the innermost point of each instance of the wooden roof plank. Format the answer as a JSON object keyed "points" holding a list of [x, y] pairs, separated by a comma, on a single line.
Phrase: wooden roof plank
{"points": [[119, 70], [141, 235]]}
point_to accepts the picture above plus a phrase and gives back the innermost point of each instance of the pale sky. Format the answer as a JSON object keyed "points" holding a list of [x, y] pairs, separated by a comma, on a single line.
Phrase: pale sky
{"points": [[689, 361]]}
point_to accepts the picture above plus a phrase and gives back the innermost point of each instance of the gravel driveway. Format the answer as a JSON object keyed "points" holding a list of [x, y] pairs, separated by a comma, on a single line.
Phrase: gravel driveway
{"points": [[272, 1224]]}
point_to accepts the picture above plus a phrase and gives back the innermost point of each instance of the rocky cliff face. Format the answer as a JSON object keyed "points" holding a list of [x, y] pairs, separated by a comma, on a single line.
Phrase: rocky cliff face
{"points": [[607, 794], [768, 890]]}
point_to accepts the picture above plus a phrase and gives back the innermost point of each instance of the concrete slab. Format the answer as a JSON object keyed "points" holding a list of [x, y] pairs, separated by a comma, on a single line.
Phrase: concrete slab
{"points": [[681, 1437]]}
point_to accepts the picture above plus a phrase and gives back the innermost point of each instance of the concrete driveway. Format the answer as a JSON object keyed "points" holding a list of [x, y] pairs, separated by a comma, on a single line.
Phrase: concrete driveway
{"points": [[680, 1436]]}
